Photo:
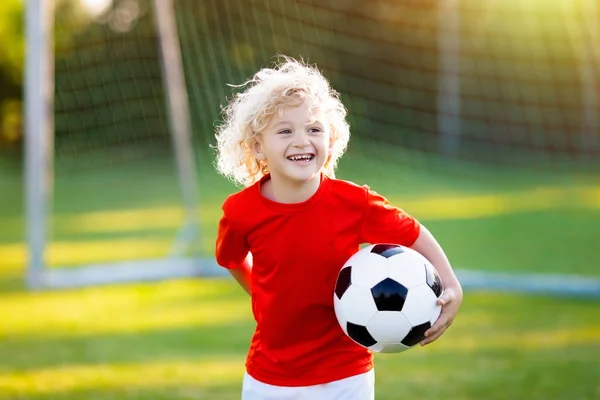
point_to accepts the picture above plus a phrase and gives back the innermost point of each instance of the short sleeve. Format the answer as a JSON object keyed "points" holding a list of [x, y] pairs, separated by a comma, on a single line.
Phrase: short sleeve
{"points": [[384, 223], [231, 247]]}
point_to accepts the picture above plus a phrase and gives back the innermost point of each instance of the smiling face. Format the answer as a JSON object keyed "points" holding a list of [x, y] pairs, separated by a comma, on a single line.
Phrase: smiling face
{"points": [[295, 145]]}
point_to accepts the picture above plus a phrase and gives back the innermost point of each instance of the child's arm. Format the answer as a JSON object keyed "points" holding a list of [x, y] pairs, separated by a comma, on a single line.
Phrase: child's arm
{"points": [[232, 252], [451, 299], [242, 274]]}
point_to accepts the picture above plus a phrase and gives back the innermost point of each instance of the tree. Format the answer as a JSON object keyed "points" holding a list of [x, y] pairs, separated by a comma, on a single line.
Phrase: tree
{"points": [[11, 71]]}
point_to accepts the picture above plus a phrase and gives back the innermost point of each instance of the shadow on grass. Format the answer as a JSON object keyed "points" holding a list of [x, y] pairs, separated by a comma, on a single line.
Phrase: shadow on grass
{"points": [[212, 391], [187, 342], [194, 362], [10, 284]]}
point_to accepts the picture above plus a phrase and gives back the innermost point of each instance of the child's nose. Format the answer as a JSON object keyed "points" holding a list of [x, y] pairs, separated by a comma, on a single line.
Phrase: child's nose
{"points": [[302, 140]]}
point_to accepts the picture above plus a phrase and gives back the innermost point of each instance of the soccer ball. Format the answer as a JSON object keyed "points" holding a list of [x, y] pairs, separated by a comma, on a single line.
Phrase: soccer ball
{"points": [[386, 297]]}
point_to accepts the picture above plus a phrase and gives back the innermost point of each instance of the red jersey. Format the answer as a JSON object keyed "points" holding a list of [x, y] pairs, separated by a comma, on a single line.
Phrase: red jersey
{"points": [[297, 251]]}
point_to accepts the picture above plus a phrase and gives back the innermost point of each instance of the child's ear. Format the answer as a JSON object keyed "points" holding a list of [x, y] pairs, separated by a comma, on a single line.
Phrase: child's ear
{"points": [[257, 150]]}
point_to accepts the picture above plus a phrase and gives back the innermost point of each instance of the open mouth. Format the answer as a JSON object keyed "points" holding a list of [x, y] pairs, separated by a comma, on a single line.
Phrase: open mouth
{"points": [[301, 158]]}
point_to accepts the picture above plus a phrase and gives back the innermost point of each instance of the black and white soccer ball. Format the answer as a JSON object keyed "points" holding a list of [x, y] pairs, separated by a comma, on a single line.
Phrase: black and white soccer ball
{"points": [[386, 297]]}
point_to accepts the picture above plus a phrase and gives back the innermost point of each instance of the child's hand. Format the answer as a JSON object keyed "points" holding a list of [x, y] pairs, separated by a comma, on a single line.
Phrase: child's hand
{"points": [[450, 301]]}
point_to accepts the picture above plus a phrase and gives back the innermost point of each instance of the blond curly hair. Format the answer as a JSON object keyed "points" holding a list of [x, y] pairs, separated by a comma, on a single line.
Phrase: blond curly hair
{"points": [[266, 94]]}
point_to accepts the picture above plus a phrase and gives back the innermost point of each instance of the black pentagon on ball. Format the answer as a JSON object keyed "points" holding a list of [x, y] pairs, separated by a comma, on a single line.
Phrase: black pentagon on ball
{"points": [[360, 334], [387, 250], [416, 334], [389, 295], [343, 281], [433, 280]]}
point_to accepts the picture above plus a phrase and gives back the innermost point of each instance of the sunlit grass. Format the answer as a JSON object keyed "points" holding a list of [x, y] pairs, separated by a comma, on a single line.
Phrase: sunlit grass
{"points": [[128, 378], [534, 339], [447, 206], [67, 253], [136, 221], [188, 339], [118, 309]]}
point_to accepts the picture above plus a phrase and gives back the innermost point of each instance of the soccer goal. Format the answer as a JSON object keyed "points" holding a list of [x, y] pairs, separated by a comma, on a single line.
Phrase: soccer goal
{"points": [[108, 105], [122, 97]]}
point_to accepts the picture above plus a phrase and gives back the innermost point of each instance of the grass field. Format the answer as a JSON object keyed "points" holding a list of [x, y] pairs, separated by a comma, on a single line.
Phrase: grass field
{"points": [[187, 339]]}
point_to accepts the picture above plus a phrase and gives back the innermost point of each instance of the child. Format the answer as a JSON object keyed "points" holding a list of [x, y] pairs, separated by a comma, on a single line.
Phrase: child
{"points": [[286, 235]]}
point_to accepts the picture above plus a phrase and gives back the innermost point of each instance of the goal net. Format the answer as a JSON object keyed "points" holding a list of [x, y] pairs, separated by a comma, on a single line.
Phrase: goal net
{"points": [[137, 94], [112, 188], [509, 82]]}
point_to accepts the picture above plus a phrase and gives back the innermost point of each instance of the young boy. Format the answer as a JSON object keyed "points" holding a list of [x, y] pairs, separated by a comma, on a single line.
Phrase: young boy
{"points": [[286, 235]]}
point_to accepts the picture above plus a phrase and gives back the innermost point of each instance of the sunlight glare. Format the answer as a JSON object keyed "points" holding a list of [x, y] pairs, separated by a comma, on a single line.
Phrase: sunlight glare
{"points": [[96, 7]]}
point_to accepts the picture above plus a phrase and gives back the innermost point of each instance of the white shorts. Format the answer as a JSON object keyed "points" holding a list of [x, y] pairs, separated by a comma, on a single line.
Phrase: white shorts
{"points": [[358, 387]]}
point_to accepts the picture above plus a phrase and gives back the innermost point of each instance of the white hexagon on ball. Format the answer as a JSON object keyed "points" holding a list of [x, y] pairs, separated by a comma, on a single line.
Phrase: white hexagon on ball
{"points": [[408, 268], [369, 270], [389, 326], [421, 306], [357, 305]]}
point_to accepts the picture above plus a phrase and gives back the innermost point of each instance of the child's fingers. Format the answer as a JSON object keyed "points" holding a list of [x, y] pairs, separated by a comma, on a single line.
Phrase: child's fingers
{"points": [[440, 326], [446, 297], [435, 329], [432, 335], [445, 320], [441, 323]]}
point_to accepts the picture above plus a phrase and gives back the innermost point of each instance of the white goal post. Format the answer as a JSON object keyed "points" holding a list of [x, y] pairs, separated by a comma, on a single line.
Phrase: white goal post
{"points": [[39, 154]]}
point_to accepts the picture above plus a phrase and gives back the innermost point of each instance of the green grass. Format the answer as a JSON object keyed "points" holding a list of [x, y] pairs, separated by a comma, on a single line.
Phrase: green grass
{"points": [[485, 218], [187, 339]]}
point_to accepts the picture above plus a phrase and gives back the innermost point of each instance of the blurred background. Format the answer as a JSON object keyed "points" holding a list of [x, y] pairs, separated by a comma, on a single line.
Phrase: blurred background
{"points": [[481, 118]]}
